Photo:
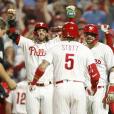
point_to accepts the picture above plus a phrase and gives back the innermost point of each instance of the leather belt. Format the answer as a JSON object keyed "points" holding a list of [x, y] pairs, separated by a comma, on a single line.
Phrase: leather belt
{"points": [[62, 81], [100, 87], [43, 84]]}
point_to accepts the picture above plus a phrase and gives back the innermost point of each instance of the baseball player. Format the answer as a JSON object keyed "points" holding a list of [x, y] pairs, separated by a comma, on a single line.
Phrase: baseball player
{"points": [[16, 101], [105, 62], [109, 33], [70, 60], [34, 52], [3, 73]]}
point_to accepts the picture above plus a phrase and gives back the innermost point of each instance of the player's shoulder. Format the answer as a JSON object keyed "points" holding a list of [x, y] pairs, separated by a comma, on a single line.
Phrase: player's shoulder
{"points": [[51, 45], [104, 46], [53, 42], [27, 39], [83, 46]]}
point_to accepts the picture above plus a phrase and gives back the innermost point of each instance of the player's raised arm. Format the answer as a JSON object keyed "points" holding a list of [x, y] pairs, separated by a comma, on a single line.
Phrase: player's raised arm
{"points": [[108, 35], [11, 26]]}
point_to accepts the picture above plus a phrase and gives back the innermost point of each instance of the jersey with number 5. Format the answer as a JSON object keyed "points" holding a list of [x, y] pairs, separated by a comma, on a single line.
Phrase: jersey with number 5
{"points": [[70, 60]]}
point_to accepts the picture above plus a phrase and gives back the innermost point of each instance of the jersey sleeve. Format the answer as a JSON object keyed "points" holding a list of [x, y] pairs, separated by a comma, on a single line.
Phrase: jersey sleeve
{"points": [[109, 41], [109, 58], [24, 42]]}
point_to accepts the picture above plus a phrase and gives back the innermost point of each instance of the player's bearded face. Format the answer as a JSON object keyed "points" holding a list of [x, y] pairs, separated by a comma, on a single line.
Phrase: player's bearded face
{"points": [[41, 35], [90, 38]]}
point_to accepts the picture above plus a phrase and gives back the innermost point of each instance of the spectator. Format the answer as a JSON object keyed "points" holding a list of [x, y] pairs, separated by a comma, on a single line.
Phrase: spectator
{"points": [[96, 16], [81, 24]]}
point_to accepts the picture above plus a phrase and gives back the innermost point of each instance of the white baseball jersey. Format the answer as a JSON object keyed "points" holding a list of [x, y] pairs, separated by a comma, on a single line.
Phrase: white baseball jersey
{"points": [[34, 53], [104, 59], [70, 60], [53, 42], [17, 98]]}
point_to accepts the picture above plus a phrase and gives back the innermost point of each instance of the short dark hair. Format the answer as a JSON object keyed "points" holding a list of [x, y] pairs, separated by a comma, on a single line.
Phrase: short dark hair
{"points": [[2, 23]]}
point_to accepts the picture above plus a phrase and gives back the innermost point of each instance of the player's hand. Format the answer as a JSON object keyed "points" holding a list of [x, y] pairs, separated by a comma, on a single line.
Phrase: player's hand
{"points": [[109, 96], [94, 90], [11, 18], [31, 86], [91, 91], [3, 94], [11, 13], [12, 84], [104, 28]]}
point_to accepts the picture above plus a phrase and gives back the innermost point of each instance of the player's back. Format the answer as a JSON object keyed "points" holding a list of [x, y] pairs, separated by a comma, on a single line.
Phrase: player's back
{"points": [[17, 98], [70, 60]]}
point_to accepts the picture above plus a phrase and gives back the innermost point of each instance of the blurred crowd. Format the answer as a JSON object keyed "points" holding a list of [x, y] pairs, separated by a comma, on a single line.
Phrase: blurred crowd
{"points": [[52, 12]]}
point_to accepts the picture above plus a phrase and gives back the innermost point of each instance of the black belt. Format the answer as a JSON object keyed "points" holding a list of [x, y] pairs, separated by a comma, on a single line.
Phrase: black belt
{"points": [[43, 84], [100, 87], [62, 81]]}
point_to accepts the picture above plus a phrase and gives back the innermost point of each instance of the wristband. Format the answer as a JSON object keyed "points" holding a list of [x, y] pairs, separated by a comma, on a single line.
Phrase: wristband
{"points": [[38, 74]]}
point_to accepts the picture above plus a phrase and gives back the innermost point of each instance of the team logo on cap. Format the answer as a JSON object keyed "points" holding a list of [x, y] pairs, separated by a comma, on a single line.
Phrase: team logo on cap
{"points": [[71, 28], [91, 28]]}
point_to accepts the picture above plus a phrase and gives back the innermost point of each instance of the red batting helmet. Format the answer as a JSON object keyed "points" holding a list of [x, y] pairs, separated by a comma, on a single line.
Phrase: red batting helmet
{"points": [[41, 25], [91, 28], [70, 29]]}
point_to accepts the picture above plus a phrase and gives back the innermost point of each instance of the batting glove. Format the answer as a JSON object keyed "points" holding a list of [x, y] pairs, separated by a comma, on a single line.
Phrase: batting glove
{"points": [[91, 91], [104, 28]]}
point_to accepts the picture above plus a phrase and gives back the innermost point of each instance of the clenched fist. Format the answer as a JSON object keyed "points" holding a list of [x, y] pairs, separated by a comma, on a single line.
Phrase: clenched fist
{"points": [[11, 14]]}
